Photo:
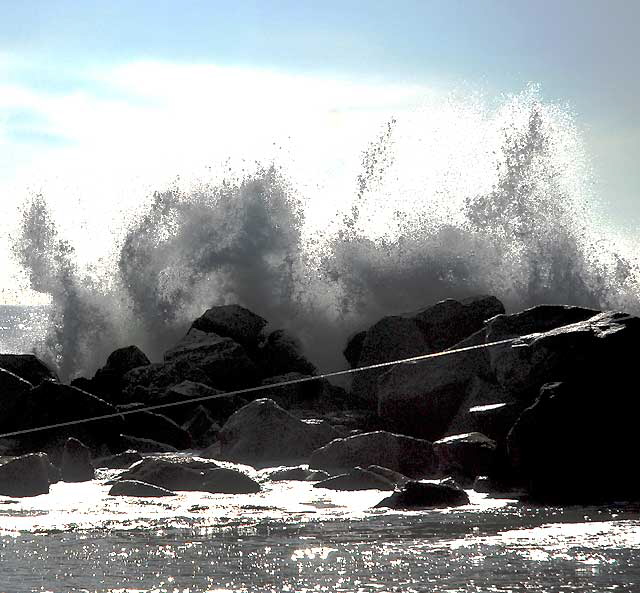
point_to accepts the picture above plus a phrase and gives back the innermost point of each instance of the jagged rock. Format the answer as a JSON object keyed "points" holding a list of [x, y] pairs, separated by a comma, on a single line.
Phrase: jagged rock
{"points": [[428, 330], [120, 461], [407, 455], [282, 353], [218, 404], [232, 321], [421, 495], [123, 360], [202, 428], [263, 434], [578, 442], [137, 488], [76, 462], [228, 481], [27, 475], [568, 352], [300, 473], [353, 348], [145, 445], [421, 399], [356, 479], [151, 381], [149, 425], [304, 394], [465, 455], [107, 382], [12, 389], [27, 367], [225, 362], [52, 403]]}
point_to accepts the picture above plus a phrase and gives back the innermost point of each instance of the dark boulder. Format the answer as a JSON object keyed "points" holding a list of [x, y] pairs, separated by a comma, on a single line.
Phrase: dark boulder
{"points": [[107, 382], [356, 479], [228, 481], [225, 362], [262, 434], [137, 488], [353, 348], [145, 445], [27, 475], [202, 428], [577, 442], [299, 473], [465, 455], [424, 495], [51, 403], [218, 403], [150, 425], [27, 367], [407, 455], [282, 353], [76, 462], [120, 461], [394, 477], [232, 321]]}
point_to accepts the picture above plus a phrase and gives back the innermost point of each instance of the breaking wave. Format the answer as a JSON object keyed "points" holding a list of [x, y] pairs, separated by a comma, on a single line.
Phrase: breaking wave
{"points": [[462, 200]]}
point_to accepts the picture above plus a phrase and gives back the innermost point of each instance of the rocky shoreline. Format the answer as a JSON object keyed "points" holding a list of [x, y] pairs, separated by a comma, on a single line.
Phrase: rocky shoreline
{"points": [[549, 416]]}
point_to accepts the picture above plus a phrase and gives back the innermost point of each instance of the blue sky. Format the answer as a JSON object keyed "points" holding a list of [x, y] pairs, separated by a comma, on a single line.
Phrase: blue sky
{"points": [[60, 58]]}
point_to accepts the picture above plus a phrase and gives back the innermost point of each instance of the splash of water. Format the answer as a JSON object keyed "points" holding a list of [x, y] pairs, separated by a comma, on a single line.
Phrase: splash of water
{"points": [[504, 212]]}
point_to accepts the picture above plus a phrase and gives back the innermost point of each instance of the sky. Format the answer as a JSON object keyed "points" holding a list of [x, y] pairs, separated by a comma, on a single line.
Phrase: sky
{"points": [[103, 101]]}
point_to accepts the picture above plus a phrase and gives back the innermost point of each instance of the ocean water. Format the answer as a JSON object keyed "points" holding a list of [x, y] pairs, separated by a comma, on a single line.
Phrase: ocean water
{"points": [[293, 537]]}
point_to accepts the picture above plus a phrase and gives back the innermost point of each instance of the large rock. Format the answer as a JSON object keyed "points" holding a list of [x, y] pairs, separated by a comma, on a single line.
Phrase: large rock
{"points": [[568, 352], [76, 462], [422, 495], [465, 456], [52, 403], [218, 403], [176, 473], [298, 473], [578, 442], [356, 479], [149, 382], [225, 362], [107, 382], [145, 445], [137, 488], [28, 367], [149, 425], [12, 388], [119, 461], [407, 455], [282, 353], [428, 330], [202, 428], [263, 434], [422, 398], [27, 475], [232, 321]]}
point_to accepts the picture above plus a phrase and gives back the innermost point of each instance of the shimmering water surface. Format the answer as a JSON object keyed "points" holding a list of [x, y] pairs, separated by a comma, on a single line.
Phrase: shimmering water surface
{"points": [[292, 537]]}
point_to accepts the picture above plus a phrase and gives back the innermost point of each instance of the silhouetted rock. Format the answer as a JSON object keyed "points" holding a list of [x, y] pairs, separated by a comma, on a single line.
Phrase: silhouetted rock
{"points": [[300, 473], [228, 481], [282, 353], [225, 362], [107, 381], [353, 348], [150, 425], [407, 455], [232, 321], [218, 404], [578, 442], [145, 445], [28, 367], [356, 479], [120, 461], [422, 495], [394, 477], [51, 403], [465, 455], [202, 428], [76, 462], [137, 488], [263, 434], [27, 475]]}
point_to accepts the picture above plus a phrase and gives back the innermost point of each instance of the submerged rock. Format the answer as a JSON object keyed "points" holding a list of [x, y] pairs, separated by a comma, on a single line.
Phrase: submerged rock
{"points": [[27, 475], [228, 481], [76, 462], [422, 495], [300, 473], [262, 434], [410, 456], [137, 488], [120, 461]]}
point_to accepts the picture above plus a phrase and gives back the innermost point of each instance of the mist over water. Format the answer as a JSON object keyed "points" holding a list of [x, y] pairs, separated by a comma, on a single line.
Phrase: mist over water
{"points": [[451, 200]]}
